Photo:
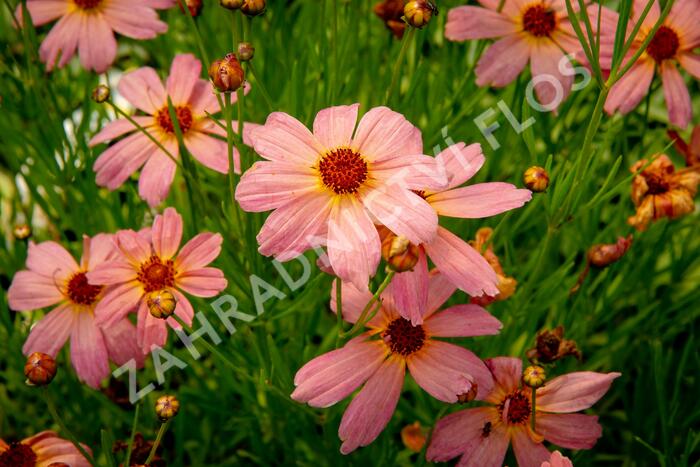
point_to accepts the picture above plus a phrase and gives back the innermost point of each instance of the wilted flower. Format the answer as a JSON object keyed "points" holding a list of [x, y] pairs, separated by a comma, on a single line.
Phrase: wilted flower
{"points": [[226, 74], [506, 285], [193, 6], [690, 150], [536, 179], [100, 94], [418, 12], [604, 254], [551, 346], [42, 449], [140, 449], [414, 436], [662, 191], [167, 407], [391, 12], [40, 369]]}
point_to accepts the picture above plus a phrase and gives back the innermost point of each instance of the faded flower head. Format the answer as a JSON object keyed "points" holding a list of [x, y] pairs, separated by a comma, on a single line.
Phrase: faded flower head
{"points": [[414, 436], [506, 285], [551, 346], [391, 12], [604, 254]]}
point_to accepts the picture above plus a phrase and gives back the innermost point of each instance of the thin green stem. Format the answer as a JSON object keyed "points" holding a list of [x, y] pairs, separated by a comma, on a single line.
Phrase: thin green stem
{"points": [[159, 437], [534, 408], [363, 319], [57, 418], [397, 66], [229, 143], [130, 448]]}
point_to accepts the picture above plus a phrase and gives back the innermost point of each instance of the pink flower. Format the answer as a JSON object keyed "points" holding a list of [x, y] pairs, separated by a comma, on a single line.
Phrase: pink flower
{"points": [[54, 278], [456, 259], [88, 26], [672, 44], [192, 98], [144, 266], [379, 357], [42, 449], [481, 435], [329, 187], [557, 460]]}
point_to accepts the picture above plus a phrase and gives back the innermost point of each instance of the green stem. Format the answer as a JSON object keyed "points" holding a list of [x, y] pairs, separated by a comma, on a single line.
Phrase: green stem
{"points": [[57, 418], [229, 142], [397, 66], [159, 437], [534, 408], [363, 319], [130, 448]]}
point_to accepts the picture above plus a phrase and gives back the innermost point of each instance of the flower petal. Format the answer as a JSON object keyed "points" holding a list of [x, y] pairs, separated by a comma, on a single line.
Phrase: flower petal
{"points": [[268, 185], [42, 12], [61, 40], [150, 332], [211, 152], [30, 291], [116, 164], [383, 133], [462, 321], [117, 303], [134, 20], [199, 252], [413, 172], [440, 290], [527, 452], [461, 162], [409, 291], [334, 126], [472, 22], [156, 177], [120, 340], [97, 46], [143, 89], [551, 85], [204, 282], [283, 138], [480, 200], [167, 233], [507, 372], [52, 331], [628, 92], [573, 431], [88, 352], [52, 260], [184, 74], [573, 391], [503, 61], [133, 246], [676, 95], [402, 211], [119, 127]]}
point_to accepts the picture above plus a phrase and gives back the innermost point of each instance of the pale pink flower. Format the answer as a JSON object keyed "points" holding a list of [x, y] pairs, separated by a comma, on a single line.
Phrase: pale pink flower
{"points": [[42, 450], [378, 360], [329, 187], [455, 258], [88, 26], [557, 460], [191, 98], [144, 266], [672, 45], [481, 435], [538, 32], [54, 278]]}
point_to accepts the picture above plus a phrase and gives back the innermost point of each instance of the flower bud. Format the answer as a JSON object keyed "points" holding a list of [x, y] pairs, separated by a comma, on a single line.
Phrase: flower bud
{"points": [[40, 369], [602, 255], [22, 231], [161, 304], [400, 254], [414, 436], [536, 179], [469, 395], [418, 12], [226, 74], [534, 376], [100, 94], [231, 4], [167, 407], [246, 51], [253, 7], [194, 7]]}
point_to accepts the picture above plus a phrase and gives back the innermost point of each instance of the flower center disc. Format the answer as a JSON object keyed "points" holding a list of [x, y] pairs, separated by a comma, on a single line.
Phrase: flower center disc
{"points": [[657, 184], [403, 338], [516, 408], [184, 119], [19, 455], [156, 274], [664, 45], [80, 292], [87, 4], [539, 21], [343, 170]]}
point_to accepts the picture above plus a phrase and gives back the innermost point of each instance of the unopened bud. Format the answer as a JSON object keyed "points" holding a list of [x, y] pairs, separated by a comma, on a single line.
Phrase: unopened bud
{"points": [[167, 407], [418, 12], [469, 395], [253, 7], [400, 254], [161, 304], [534, 376], [194, 7], [602, 255], [231, 4], [226, 74], [40, 369], [100, 94], [414, 436], [246, 51], [536, 179], [22, 231]]}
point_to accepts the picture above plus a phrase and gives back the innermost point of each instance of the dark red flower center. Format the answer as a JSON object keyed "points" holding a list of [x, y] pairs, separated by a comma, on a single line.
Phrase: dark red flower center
{"points": [[87, 4], [343, 170], [155, 274], [18, 455], [515, 408], [403, 338], [657, 184], [539, 20], [664, 45], [184, 119], [80, 292]]}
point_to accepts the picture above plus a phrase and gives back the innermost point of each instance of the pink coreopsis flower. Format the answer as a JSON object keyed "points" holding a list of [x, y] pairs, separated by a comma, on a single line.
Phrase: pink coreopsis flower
{"points": [[538, 32], [54, 278], [481, 435], [557, 460], [329, 187], [379, 358], [144, 266], [42, 450], [88, 26], [672, 45], [191, 98], [455, 258]]}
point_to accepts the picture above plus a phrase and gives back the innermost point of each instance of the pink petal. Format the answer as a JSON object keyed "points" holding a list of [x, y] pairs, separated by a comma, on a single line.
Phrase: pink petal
{"points": [[51, 259], [691, 63], [628, 92], [198, 252], [354, 302], [183, 310], [552, 86], [143, 89], [118, 128], [573, 431], [43, 11], [461, 433], [676, 95], [88, 352], [383, 133], [167, 233], [334, 126], [269, 185], [372, 408], [462, 264], [120, 340], [471, 22], [52, 331], [203, 100], [333, 376], [30, 291], [101, 249], [557, 460], [461, 162], [133, 20], [414, 172], [61, 40], [652, 16], [503, 61], [353, 242], [285, 139], [50, 448], [527, 452], [211, 152], [204, 282], [440, 290], [133, 246], [156, 177], [117, 303], [97, 46], [402, 211], [116, 164], [507, 372], [409, 291], [150, 332], [574, 391], [184, 74], [462, 321], [480, 200], [112, 272]]}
